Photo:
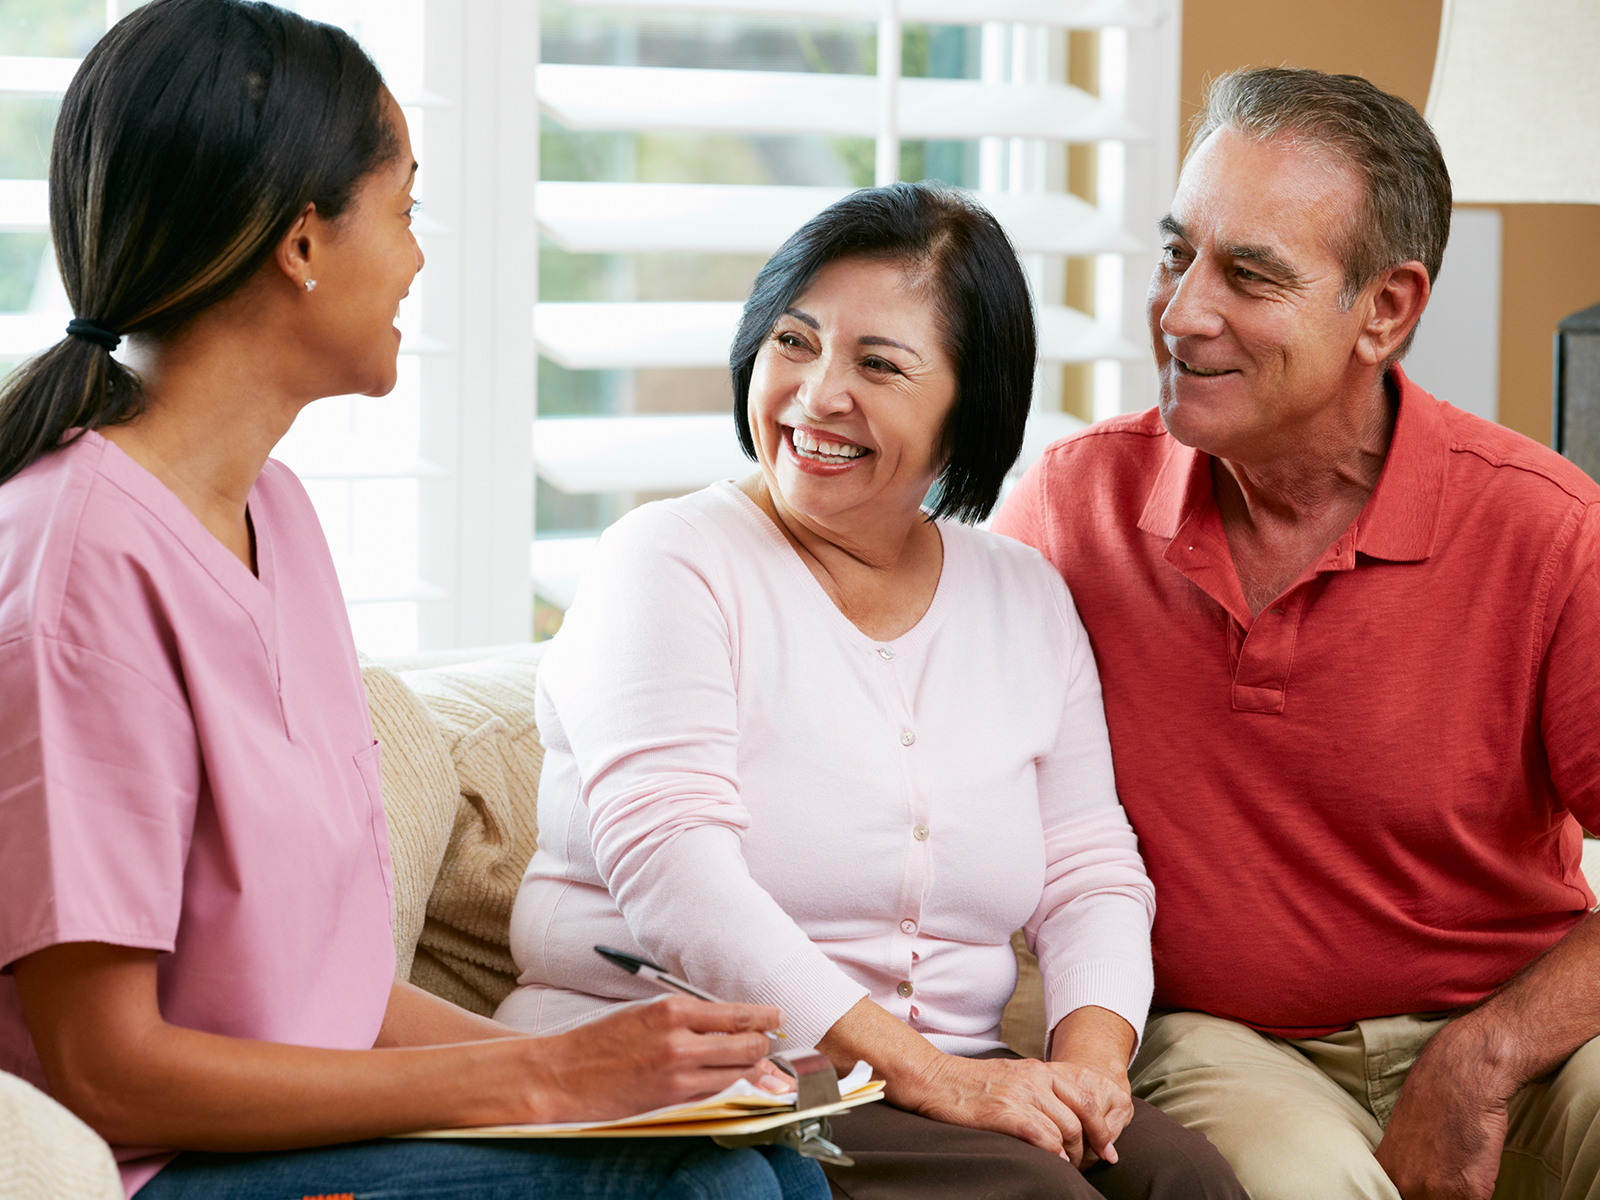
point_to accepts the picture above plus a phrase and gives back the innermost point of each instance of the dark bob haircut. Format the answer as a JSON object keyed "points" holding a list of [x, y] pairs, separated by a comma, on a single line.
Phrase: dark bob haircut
{"points": [[954, 249], [191, 138]]}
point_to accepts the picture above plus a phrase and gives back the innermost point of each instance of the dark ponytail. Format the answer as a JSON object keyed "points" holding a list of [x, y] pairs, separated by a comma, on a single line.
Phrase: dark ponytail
{"points": [[190, 140]]}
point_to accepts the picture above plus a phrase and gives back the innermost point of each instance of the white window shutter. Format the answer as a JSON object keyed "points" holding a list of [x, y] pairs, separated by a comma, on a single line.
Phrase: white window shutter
{"points": [[1015, 109]]}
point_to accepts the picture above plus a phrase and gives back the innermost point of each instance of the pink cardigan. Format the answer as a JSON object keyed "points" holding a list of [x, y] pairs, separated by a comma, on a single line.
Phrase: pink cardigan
{"points": [[744, 787]]}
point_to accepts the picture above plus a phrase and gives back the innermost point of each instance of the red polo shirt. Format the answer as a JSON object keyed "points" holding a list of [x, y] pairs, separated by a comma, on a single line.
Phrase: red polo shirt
{"points": [[1361, 802]]}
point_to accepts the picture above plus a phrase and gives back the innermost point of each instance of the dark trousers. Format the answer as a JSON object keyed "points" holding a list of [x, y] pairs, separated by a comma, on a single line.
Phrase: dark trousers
{"points": [[902, 1156]]}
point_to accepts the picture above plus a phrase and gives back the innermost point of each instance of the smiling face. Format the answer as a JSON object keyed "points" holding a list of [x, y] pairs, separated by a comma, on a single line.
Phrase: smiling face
{"points": [[849, 397], [363, 268], [1251, 344]]}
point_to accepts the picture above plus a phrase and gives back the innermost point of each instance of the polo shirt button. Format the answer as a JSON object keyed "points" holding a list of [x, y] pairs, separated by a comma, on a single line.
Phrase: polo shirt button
{"points": [[905, 990], [920, 832], [908, 926], [885, 653], [907, 737]]}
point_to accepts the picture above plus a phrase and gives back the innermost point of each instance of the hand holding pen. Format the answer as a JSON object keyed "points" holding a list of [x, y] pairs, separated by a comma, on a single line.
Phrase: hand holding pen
{"points": [[813, 1081], [667, 981]]}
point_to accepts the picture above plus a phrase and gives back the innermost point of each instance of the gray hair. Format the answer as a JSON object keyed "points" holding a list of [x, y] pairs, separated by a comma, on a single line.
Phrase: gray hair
{"points": [[1406, 214]]}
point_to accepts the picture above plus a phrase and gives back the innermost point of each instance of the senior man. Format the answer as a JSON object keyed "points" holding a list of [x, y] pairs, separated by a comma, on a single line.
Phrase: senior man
{"points": [[1349, 638]]}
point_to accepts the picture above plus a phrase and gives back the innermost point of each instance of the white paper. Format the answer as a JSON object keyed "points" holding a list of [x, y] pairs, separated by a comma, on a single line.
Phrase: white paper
{"points": [[860, 1075]]}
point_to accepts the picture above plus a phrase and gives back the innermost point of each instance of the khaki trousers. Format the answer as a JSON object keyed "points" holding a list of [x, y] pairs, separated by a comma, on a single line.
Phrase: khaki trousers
{"points": [[1299, 1118]]}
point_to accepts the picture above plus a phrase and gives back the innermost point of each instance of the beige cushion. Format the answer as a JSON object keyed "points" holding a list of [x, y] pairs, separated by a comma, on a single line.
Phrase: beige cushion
{"points": [[1022, 1023], [484, 714], [420, 798], [46, 1153]]}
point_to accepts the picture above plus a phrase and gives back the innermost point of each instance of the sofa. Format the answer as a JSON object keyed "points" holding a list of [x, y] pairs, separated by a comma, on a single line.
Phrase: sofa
{"points": [[461, 762]]}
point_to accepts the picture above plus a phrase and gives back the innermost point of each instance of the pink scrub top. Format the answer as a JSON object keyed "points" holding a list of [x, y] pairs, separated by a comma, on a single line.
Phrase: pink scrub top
{"points": [[186, 760]]}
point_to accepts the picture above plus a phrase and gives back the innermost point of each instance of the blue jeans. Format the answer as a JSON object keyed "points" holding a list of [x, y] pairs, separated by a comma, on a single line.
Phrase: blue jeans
{"points": [[555, 1169]]}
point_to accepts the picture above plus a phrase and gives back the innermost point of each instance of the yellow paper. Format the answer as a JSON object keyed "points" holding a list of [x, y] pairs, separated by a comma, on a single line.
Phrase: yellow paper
{"points": [[715, 1115]]}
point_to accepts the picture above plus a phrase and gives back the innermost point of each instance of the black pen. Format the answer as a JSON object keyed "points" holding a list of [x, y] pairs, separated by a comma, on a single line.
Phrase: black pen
{"points": [[645, 969]]}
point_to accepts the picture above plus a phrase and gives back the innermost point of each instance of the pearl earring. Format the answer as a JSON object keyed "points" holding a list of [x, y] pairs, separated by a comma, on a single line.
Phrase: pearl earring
{"points": [[311, 285]]}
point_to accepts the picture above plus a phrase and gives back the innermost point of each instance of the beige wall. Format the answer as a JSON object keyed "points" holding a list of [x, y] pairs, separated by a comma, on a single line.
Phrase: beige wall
{"points": [[1551, 253]]}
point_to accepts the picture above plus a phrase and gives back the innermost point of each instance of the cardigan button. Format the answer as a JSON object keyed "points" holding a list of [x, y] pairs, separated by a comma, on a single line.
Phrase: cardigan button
{"points": [[905, 990], [885, 653], [908, 926], [920, 832], [907, 737]]}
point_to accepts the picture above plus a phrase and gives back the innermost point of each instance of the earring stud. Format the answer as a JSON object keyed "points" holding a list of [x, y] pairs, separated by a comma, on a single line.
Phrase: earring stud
{"points": [[311, 285]]}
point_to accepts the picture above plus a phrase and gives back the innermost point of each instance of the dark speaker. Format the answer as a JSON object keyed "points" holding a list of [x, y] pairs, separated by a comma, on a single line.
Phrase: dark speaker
{"points": [[1577, 386]]}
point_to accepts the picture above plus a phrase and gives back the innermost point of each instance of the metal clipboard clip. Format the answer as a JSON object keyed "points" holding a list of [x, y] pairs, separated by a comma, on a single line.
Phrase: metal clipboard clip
{"points": [[818, 1086]]}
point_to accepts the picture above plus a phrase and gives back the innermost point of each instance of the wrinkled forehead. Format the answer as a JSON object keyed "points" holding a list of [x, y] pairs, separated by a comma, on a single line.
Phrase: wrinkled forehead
{"points": [[1268, 159], [1244, 186], [1269, 156]]}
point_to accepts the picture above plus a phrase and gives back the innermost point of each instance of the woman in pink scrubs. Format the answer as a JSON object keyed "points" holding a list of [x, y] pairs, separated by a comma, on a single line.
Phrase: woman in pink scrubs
{"points": [[194, 870]]}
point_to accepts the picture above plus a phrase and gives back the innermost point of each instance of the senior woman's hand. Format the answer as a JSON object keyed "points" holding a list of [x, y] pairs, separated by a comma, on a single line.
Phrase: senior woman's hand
{"points": [[1090, 1050], [1076, 1105], [1059, 1107]]}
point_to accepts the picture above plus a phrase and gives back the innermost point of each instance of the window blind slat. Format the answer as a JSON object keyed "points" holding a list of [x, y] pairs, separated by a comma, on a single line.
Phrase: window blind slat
{"points": [[37, 76], [669, 333], [697, 333], [30, 75], [689, 218], [678, 452], [556, 563], [342, 469], [1062, 14], [791, 102], [656, 453]]}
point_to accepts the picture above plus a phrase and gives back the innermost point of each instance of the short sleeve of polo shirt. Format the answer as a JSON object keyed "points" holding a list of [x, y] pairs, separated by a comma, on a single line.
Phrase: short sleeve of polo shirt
{"points": [[1570, 679], [99, 778]]}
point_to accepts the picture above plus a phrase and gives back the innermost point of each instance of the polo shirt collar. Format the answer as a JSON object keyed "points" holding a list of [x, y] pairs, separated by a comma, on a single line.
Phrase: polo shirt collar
{"points": [[1181, 492], [1400, 519]]}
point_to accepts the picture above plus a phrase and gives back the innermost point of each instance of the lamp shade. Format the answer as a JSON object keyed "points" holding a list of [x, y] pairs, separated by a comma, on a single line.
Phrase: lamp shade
{"points": [[1515, 100]]}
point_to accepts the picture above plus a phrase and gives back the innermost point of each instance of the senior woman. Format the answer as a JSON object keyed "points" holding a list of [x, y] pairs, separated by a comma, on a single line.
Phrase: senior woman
{"points": [[808, 745], [194, 874]]}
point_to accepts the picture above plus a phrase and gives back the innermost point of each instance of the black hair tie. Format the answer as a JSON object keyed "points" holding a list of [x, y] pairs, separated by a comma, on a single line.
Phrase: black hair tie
{"points": [[93, 331]]}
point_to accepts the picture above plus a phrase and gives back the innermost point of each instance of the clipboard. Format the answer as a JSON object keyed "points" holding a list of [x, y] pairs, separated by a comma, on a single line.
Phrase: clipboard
{"points": [[804, 1127]]}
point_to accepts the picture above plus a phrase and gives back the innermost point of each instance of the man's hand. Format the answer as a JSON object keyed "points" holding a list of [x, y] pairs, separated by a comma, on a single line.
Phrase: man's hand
{"points": [[1443, 1141]]}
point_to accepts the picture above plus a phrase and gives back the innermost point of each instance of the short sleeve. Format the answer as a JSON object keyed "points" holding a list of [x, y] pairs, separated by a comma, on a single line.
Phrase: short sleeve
{"points": [[99, 779], [1570, 680]]}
